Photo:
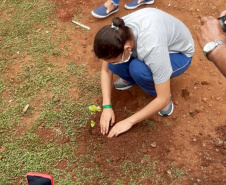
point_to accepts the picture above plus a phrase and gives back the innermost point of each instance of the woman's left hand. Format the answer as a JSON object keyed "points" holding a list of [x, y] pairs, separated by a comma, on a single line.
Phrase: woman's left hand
{"points": [[120, 127]]}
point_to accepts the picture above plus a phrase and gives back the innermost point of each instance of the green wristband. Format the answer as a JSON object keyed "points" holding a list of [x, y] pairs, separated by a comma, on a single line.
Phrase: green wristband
{"points": [[107, 106]]}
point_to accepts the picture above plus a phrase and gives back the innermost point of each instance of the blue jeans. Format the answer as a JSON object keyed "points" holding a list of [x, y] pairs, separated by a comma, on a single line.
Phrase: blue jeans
{"points": [[137, 72], [115, 2]]}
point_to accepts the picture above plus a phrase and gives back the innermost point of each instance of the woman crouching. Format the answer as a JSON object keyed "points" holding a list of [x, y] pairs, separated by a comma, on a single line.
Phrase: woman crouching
{"points": [[147, 47]]}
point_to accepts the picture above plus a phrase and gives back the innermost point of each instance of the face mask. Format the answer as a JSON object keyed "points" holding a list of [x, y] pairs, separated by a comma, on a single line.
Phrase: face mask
{"points": [[122, 60]]}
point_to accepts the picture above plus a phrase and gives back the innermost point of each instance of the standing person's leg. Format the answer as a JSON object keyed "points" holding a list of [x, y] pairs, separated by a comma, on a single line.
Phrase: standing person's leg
{"points": [[135, 3], [108, 8], [115, 2]]}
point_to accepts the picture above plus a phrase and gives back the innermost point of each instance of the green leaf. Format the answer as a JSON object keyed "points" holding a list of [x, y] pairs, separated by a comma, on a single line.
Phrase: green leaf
{"points": [[98, 109], [92, 123], [94, 108]]}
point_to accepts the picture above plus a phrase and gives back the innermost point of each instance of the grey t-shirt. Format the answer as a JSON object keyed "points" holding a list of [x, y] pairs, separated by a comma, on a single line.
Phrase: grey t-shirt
{"points": [[157, 34]]}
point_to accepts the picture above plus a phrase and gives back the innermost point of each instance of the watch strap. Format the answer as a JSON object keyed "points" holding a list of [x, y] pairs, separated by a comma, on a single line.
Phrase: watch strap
{"points": [[217, 42]]}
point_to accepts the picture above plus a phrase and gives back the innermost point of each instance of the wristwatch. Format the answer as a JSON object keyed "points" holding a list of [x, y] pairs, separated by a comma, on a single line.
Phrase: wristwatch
{"points": [[210, 46]]}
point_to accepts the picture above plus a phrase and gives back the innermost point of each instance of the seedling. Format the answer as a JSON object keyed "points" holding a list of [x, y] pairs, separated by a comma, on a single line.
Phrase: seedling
{"points": [[93, 123], [93, 109]]}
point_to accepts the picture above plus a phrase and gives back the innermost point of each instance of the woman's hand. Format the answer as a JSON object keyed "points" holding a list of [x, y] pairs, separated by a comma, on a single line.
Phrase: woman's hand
{"points": [[163, 98], [107, 118], [120, 127]]}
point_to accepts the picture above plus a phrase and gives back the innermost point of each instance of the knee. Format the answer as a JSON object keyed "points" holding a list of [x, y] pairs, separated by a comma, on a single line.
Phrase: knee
{"points": [[135, 69], [140, 71]]}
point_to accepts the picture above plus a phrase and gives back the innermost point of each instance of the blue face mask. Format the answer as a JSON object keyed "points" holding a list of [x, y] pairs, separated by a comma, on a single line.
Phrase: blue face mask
{"points": [[122, 60]]}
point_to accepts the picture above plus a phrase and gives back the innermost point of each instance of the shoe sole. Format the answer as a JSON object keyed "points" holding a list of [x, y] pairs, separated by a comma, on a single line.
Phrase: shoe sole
{"points": [[168, 113], [123, 88], [102, 16], [131, 8]]}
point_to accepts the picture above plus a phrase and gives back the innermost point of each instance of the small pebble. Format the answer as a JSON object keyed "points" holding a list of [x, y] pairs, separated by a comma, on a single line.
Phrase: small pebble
{"points": [[153, 144], [56, 99], [198, 110], [144, 151], [219, 143], [218, 98], [42, 124], [198, 180], [204, 100]]}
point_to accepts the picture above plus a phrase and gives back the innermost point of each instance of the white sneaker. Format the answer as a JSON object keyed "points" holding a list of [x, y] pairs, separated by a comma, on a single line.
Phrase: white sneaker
{"points": [[167, 112], [121, 84]]}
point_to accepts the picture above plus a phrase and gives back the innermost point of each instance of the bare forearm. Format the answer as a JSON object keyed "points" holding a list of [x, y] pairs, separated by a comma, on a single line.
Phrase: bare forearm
{"points": [[106, 83], [163, 98], [149, 110], [218, 57], [210, 30]]}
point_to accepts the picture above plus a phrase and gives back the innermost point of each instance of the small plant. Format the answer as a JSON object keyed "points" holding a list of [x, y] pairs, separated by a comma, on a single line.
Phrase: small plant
{"points": [[93, 109], [93, 123]]}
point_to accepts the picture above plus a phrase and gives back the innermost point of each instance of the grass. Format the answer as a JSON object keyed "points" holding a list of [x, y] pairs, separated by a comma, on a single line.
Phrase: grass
{"points": [[29, 44], [26, 31]]}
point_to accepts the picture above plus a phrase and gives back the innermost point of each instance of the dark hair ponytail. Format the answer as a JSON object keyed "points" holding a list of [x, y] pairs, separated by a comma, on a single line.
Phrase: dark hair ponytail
{"points": [[110, 40], [116, 21]]}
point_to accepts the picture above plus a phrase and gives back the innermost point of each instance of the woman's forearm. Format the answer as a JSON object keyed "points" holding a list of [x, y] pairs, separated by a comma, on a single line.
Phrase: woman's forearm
{"points": [[106, 85], [149, 110], [161, 101]]}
